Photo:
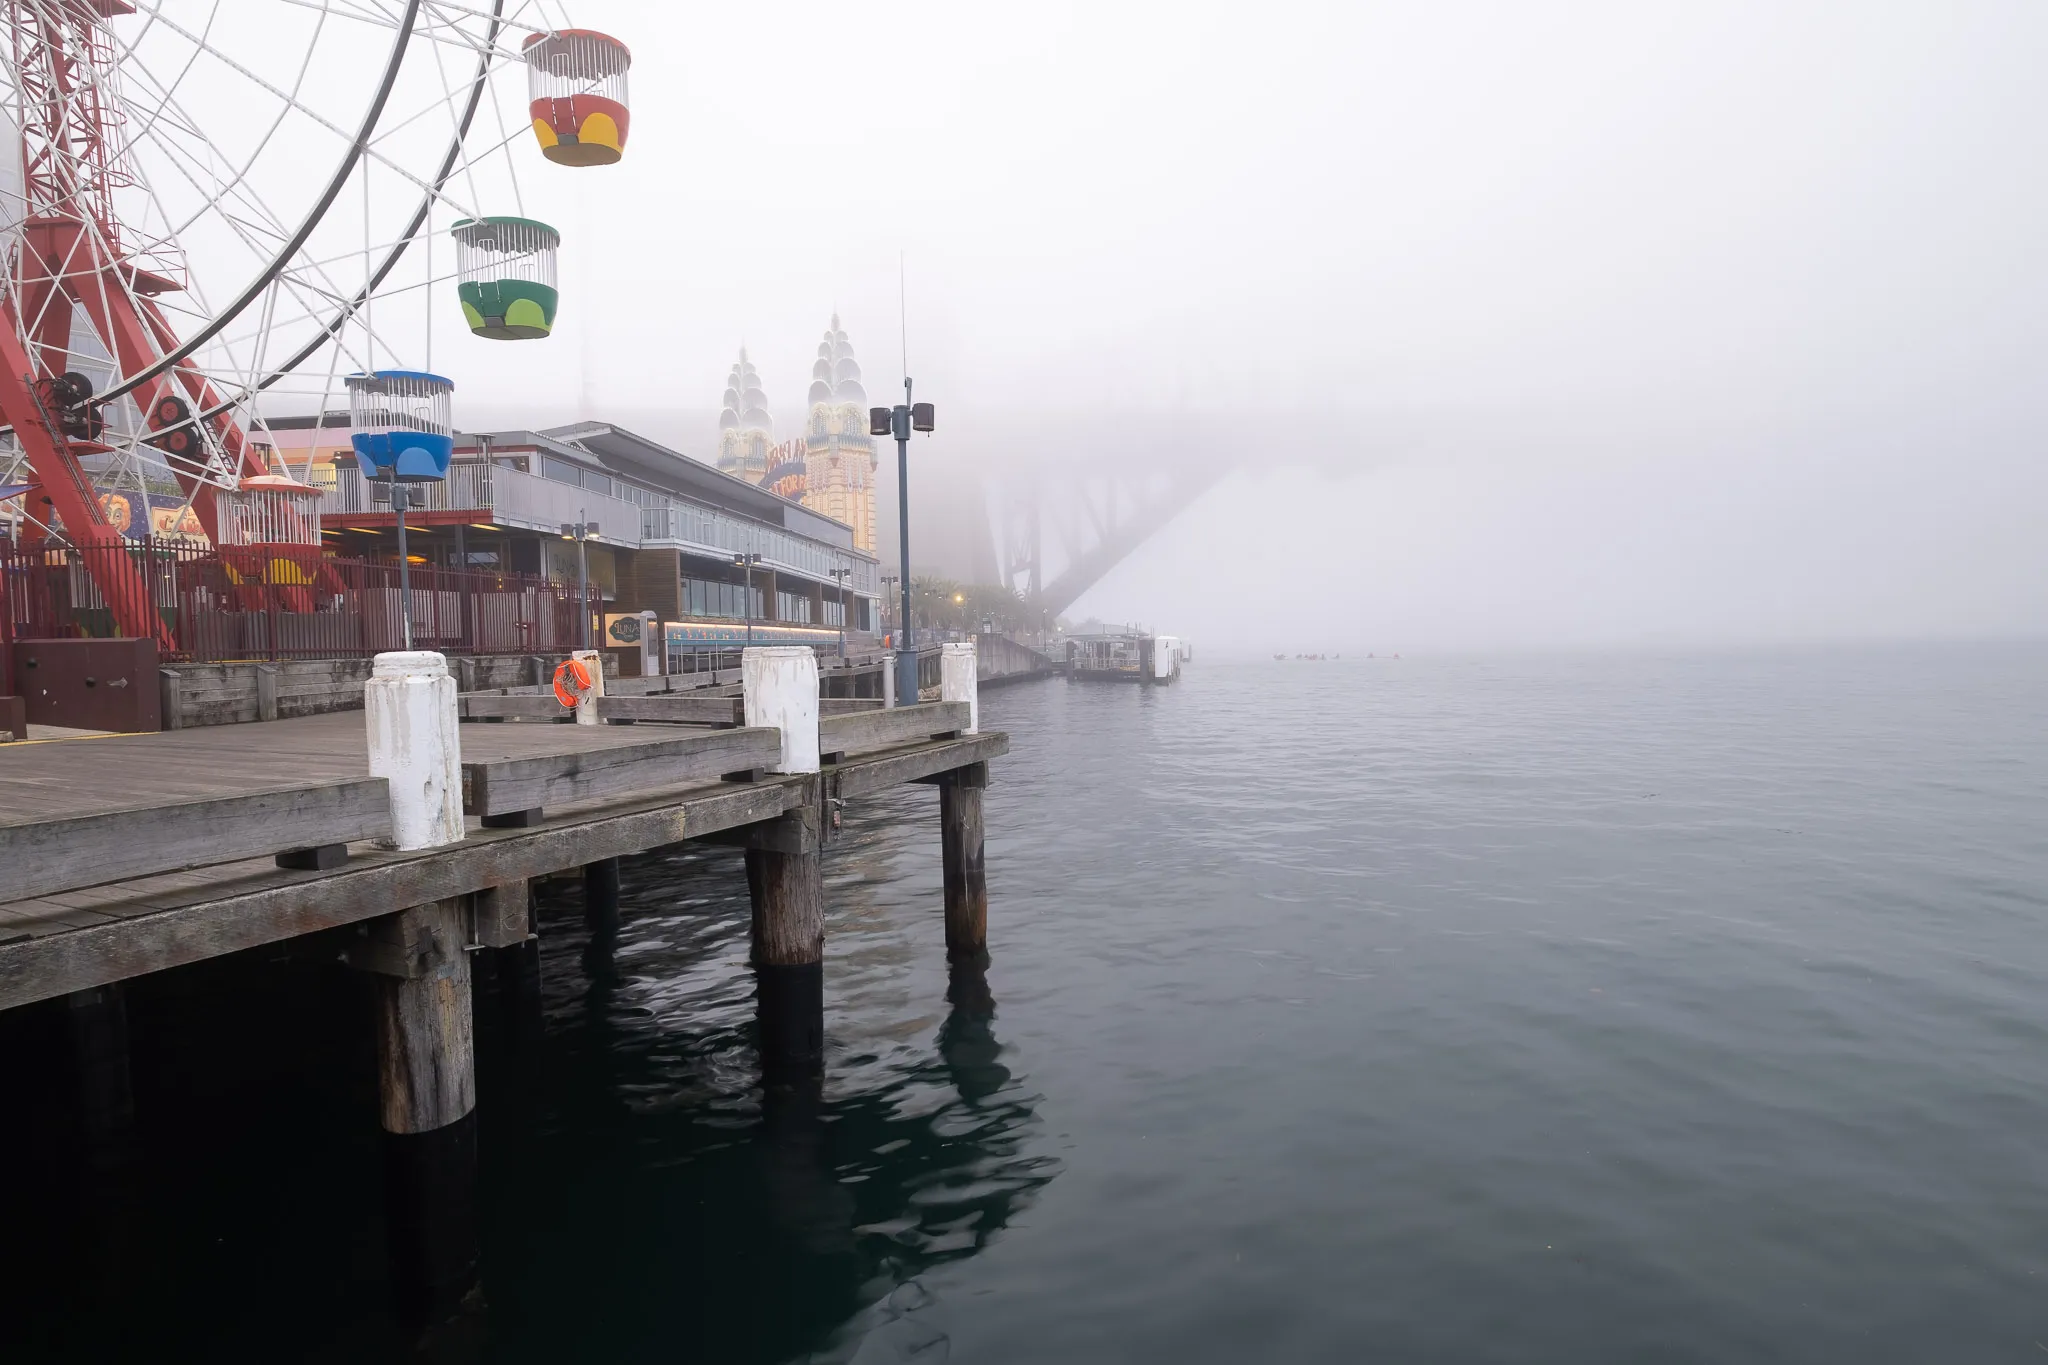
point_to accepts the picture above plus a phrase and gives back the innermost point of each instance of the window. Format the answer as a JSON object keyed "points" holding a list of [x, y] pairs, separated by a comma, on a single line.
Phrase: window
{"points": [[703, 597]]}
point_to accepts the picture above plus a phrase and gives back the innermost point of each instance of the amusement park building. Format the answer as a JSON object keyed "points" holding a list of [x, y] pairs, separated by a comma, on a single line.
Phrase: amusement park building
{"points": [[831, 467], [670, 528]]}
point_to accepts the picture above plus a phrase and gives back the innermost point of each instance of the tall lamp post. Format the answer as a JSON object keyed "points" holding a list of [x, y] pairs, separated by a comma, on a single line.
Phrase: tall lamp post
{"points": [[889, 582], [401, 498], [899, 422], [840, 575], [747, 562], [581, 532]]}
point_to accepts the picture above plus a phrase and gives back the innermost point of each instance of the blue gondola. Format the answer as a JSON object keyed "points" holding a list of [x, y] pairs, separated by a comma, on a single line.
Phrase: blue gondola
{"points": [[404, 424]]}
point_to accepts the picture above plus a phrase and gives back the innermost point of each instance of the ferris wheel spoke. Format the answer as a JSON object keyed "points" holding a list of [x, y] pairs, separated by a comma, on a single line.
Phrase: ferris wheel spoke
{"points": [[487, 52], [331, 333], [167, 100], [271, 227], [197, 200], [222, 468], [340, 178], [383, 17]]}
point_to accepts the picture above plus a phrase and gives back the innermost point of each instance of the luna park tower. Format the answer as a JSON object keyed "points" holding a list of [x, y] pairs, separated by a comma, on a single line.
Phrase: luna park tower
{"points": [[744, 427], [839, 458]]}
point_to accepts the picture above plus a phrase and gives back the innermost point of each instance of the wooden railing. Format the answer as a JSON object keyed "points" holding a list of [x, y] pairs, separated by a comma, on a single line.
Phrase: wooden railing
{"points": [[46, 857], [507, 786], [866, 731]]}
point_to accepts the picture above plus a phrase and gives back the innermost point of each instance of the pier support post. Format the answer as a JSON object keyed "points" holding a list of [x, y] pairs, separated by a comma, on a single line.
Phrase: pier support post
{"points": [[586, 705], [415, 737], [780, 687], [786, 882], [503, 925], [427, 1089], [601, 898], [960, 680], [106, 1092], [960, 849]]}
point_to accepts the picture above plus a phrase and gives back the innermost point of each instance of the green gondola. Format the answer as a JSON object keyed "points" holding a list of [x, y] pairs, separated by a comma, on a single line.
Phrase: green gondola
{"points": [[505, 269]]}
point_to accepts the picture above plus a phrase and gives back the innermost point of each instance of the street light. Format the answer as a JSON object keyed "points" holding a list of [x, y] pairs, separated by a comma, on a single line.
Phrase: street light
{"points": [[400, 500], [899, 422], [889, 581], [748, 562], [581, 532], [841, 574]]}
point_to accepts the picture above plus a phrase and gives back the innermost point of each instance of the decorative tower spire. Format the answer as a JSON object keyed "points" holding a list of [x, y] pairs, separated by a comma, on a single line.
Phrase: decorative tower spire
{"points": [[840, 456], [744, 426]]}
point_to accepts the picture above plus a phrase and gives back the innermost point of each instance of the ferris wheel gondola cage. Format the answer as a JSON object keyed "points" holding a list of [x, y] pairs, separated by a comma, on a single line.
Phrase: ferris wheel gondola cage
{"points": [[404, 424], [576, 85], [505, 271]]}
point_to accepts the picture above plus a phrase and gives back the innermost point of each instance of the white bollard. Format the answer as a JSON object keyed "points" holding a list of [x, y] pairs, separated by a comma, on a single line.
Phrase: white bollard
{"points": [[960, 680], [888, 682], [586, 705], [780, 685], [416, 746]]}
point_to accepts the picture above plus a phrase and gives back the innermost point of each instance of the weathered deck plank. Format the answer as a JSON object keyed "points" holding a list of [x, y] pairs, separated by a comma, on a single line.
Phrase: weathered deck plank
{"points": [[913, 763], [253, 903], [536, 781], [858, 731], [43, 857]]}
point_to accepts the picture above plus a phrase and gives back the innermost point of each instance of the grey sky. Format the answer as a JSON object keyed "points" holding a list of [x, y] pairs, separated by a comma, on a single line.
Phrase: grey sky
{"points": [[1636, 322]]}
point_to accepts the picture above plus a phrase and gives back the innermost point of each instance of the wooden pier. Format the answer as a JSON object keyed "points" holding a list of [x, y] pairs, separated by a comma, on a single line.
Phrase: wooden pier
{"points": [[133, 854]]}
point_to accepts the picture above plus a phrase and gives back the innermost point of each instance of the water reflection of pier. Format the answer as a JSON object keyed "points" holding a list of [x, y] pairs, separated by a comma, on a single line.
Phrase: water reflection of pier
{"points": [[658, 1180]]}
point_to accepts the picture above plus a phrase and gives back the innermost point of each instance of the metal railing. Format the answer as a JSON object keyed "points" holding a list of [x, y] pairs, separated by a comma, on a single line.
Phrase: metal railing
{"points": [[246, 604], [467, 488], [512, 496], [704, 531]]}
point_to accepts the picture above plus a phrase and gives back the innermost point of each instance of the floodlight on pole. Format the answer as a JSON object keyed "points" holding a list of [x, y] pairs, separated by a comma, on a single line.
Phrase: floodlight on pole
{"points": [[899, 422], [581, 532], [747, 562], [840, 575]]}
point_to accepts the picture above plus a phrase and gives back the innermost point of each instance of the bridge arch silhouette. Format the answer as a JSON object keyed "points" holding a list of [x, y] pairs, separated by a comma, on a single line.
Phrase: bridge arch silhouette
{"points": [[1048, 513]]}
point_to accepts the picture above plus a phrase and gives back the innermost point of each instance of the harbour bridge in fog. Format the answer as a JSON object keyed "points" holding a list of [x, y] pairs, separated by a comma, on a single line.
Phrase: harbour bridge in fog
{"points": [[1058, 529], [1078, 497]]}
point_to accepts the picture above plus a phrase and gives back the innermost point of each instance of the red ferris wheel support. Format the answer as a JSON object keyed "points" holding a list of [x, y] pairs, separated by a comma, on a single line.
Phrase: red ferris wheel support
{"points": [[70, 252]]}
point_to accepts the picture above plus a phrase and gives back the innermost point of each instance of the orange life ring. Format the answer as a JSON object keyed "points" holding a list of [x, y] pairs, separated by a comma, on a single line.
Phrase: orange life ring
{"points": [[572, 682]]}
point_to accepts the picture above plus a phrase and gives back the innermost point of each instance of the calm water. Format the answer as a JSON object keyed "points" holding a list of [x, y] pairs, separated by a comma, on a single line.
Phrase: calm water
{"points": [[1601, 1009]]}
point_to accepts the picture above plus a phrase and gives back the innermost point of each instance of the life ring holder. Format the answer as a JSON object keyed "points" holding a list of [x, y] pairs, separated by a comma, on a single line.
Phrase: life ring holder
{"points": [[572, 682]]}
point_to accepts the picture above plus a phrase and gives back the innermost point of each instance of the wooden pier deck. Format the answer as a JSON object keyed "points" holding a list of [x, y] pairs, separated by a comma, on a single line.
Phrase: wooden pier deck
{"points": [[410, 834], [204, 796]]}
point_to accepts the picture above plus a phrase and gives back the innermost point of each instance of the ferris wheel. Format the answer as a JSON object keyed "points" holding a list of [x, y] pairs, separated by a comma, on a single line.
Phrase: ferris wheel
{"points": [[214, 210]]}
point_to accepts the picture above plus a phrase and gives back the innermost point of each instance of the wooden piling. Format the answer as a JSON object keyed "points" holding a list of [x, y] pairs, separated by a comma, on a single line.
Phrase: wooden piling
{"points": [[504, 914], [506, 936], [785, 878], [427, 1087], [601, 897], [106, 1095], [424, 1044], [960, 846]]}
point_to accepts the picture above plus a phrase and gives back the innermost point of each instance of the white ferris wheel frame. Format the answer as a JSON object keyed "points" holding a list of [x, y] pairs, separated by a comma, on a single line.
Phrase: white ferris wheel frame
{"points": [[231, 344]]}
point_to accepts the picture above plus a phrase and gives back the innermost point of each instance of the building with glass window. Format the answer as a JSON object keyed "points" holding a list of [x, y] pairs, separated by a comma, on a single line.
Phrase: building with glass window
{"points": [[672, 533]]}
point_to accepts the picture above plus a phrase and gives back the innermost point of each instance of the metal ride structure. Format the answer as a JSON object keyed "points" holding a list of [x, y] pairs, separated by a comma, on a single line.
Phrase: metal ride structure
{"points": [[214, 209]]}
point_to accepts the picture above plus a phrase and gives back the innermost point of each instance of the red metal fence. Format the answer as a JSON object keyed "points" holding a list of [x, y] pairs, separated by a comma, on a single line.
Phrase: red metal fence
{"points": [[252, 604]]}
